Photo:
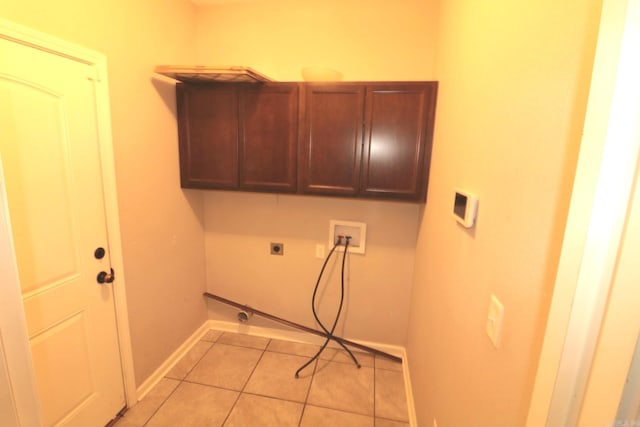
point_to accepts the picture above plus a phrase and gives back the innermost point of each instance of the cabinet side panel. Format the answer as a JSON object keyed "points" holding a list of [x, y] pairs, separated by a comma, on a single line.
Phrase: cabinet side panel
{"points": [[208, 136], [332, 139], [268, 137]]}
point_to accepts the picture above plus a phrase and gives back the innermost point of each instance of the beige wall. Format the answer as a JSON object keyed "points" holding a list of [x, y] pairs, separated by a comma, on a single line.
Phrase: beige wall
{"points": [[513, 87], [239, 228], [373, 40], [364, 40], [513, 83], [163, 244]]}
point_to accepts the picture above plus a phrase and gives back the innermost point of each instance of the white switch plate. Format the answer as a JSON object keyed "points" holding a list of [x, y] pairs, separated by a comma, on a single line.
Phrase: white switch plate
{"points": [[319, 251], [494, 320]]}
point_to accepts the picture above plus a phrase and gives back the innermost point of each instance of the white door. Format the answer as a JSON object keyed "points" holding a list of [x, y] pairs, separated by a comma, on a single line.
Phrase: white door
{"points": [[50, 152]]}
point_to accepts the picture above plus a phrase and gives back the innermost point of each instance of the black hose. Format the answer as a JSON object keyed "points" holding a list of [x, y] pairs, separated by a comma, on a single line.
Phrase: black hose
{"points": [[329, 333], [313, 304]]}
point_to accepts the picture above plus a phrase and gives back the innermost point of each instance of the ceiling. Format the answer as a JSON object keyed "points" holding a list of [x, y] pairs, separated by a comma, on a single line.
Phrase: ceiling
{"points": [[208, 2]]}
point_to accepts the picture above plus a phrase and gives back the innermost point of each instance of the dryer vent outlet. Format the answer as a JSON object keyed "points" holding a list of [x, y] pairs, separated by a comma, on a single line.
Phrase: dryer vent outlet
{"points": [[244, 316]]}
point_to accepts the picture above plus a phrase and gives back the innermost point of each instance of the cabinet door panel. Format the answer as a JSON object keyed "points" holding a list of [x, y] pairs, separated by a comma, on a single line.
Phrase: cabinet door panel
{"points": [[331, 147], [268, 137], [208, 128], [397, 143]]}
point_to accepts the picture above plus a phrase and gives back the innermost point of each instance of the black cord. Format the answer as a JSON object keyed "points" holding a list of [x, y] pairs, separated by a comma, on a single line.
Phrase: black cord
{"points": [[313, 304], [329, 334]]}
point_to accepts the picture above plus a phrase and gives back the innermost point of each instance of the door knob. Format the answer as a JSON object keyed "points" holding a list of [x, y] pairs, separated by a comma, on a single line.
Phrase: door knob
{"points": [[104, 277]]}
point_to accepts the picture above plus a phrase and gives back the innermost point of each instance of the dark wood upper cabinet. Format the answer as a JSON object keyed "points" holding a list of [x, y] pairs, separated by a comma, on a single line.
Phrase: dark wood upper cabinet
{"points": [[368, 140], [238, 136], [268, 120], [330, 149], [397, 140], [208, 131]]}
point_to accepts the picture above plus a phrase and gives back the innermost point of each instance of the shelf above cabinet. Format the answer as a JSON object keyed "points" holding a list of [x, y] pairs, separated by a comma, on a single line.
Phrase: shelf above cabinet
{"points": [[212, 74]]}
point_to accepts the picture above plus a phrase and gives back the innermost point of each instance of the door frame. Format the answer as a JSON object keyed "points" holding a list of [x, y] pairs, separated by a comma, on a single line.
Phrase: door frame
{"points": [[98, 61], [16, 364], [603, 188]]}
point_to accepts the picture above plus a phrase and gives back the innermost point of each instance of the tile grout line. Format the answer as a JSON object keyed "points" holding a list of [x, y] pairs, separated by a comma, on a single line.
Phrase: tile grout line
{"points": [[180, 381], [398, 420], [213, 343], [346, 411], [270, 397], [375, 370], [306, 397], [162, 404], [270, 341], [246, 382]]}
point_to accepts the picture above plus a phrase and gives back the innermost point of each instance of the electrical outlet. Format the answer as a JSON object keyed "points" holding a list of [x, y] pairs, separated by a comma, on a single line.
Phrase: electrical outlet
{"points": [[277, 248]]}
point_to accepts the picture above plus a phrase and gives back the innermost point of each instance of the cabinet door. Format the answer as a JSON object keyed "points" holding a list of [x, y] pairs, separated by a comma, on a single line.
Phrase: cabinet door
{"points": [[398, 138], [208, 134], [331, 146], [268, 137]]}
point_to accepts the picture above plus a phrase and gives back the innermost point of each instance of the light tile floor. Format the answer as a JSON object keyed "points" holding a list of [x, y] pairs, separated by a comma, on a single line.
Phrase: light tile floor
{"points": [[230, 379]]}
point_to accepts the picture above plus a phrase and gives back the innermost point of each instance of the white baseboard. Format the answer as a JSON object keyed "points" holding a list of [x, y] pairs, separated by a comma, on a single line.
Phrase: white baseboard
{"points": [[170, 362], [411, 404], [296, 336], [273, 333]]}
